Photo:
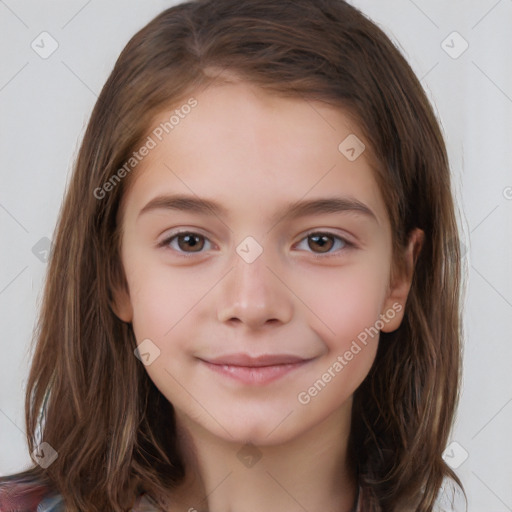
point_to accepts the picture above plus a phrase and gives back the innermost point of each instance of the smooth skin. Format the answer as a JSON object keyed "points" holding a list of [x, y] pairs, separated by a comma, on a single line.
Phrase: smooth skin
{"points": [[256, 447]]}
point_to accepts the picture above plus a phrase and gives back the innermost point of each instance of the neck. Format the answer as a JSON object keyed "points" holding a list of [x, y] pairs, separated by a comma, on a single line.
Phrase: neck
{"points": [[308, 472]]}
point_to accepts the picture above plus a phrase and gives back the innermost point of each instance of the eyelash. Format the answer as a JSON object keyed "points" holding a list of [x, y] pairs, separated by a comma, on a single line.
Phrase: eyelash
{"points": [[347, 244]]}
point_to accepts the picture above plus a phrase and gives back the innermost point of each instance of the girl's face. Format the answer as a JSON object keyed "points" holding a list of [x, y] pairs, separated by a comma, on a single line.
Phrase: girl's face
{"points": [[257, 322]]}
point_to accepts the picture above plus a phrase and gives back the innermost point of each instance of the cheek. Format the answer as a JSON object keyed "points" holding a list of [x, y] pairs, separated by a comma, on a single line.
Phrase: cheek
{"points": [[347, 303], [347, 307], [346, 300], [161, 296]]}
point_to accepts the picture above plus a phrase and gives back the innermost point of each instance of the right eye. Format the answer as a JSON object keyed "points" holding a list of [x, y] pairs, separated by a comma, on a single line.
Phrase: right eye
{"points": [[182, 241]]}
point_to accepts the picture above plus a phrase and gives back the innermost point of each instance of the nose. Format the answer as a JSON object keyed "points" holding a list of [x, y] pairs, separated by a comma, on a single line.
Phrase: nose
{"points": [[254, 294]]}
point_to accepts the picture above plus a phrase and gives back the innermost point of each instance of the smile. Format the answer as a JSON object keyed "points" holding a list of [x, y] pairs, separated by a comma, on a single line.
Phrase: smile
{"points": [[255, 371]]}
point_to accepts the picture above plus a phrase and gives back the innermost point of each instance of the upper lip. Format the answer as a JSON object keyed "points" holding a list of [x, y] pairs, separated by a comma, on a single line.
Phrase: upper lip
{"points": [[251, 361]]}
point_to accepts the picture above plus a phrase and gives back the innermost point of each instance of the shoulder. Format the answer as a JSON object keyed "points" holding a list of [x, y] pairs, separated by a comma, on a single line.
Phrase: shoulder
{"points": [[450, 498], [27, 495]]}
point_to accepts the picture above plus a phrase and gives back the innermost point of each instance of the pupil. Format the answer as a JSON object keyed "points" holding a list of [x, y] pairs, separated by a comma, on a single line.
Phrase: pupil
{"points": [[323, 241], [190, 241]]}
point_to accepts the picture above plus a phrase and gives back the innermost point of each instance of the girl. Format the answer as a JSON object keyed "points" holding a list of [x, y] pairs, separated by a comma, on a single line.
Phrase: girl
{"points": [[253, 299]]}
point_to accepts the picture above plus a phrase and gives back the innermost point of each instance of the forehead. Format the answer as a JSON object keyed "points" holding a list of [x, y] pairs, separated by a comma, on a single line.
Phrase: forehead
{"points": [[249, 148]]}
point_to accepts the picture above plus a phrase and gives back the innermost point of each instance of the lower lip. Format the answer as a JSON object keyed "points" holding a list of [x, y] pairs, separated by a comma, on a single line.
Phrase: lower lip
{"points": [[255, 375]]}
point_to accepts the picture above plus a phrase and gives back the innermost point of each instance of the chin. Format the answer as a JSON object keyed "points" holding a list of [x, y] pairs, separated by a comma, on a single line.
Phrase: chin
{"points": [[257, 434], [259, 428]]}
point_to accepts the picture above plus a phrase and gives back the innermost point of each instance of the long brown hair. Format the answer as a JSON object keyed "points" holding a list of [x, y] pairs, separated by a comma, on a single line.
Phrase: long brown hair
{"points": [[92, 400]]}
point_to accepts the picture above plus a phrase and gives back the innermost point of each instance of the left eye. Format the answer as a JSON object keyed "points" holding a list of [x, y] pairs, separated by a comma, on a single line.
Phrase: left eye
{"points": [[186, 240], [324, 242]]}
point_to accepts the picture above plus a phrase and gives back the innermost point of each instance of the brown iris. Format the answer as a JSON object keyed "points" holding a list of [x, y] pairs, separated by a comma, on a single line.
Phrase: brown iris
{"points": [[322, 240], [196, 242]]}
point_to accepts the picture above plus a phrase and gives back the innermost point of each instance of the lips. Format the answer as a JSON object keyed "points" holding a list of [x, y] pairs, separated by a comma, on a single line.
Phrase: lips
{"points": [[258, 361], [255, 371]]}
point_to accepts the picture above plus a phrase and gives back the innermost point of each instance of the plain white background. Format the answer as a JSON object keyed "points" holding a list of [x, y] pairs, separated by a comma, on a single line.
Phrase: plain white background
{"points": [[45, 104]]}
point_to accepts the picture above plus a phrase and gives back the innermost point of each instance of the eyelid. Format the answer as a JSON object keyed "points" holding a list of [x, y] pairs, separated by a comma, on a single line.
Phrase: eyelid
{"points": [[179, 231], [346, 237], [349, 244]]}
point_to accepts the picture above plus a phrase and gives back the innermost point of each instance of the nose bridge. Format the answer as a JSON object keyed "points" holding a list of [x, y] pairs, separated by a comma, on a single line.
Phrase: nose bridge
{"points": [[251, 293]]}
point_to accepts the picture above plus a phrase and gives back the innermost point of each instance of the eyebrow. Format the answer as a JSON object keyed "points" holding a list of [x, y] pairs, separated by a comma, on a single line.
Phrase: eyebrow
{"points": [[290, 211]]}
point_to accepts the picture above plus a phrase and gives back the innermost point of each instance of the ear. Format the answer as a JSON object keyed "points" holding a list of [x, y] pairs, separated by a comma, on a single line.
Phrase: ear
{"points": [[121, 304], [399, 288]]}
